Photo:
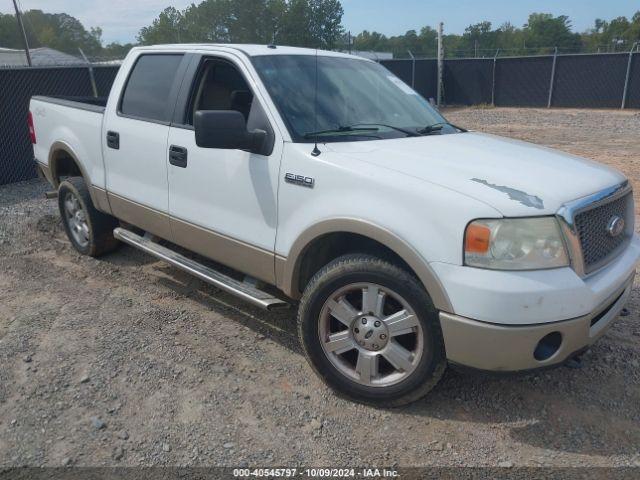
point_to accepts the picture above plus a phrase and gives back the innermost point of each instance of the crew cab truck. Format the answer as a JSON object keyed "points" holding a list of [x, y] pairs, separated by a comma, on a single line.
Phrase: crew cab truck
{"points": [[406, 242]]}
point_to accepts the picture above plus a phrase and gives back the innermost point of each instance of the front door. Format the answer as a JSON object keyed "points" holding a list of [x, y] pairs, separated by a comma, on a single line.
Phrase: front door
{"points": [[223, 203]]}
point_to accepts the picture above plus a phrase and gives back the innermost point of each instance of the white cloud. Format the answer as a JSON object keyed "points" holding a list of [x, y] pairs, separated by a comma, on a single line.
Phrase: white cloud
{"points": [[120, 20]]}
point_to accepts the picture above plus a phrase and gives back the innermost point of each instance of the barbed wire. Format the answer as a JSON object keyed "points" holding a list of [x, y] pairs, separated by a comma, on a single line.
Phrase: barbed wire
{"points": [[44, 57], [47, 57]]}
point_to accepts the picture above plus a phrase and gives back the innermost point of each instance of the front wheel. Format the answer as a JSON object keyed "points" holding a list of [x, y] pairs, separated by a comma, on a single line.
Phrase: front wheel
{"points": [[371, 332]]}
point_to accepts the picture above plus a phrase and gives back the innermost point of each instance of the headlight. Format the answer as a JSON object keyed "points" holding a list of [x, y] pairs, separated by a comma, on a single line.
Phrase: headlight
{"points": [[515, 244]]}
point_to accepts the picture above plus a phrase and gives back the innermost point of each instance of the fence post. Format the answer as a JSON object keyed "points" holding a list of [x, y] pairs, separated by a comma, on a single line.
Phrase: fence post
{"points": [[493, 79], [553, 77], [91, 76], [440, 64], [628, 76], [413, 69]]}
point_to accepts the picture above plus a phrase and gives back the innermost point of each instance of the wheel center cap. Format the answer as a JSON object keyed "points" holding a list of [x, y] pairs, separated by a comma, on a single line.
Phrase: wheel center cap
{"points": [[370, 333]]}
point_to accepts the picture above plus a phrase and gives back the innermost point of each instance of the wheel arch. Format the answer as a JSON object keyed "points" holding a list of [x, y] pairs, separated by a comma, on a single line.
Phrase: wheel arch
{"points": [[328, 239], [63, 162]]}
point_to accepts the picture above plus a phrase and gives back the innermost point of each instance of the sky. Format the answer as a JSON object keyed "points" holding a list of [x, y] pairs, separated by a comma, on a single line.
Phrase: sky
{"points": [[122, 19]]}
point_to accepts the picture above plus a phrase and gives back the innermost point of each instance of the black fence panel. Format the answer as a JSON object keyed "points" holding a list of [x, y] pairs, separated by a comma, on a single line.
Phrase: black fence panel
{"points": [[17, 87], [523, 81], [468, 81], [591, 81], [400, 68], [633, 91], [104, 79], [427, 78], [426, 74]]}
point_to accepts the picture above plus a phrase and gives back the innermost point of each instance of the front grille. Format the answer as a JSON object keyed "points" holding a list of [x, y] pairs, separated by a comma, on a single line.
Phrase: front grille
{"points": [[598, 246]]}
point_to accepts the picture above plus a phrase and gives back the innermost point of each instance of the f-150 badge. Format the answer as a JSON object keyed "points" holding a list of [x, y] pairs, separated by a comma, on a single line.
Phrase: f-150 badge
{"points": [[299, 180]]}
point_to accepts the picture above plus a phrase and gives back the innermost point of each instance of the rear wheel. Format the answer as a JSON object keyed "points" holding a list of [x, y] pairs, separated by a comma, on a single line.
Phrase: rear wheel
{"points": [[371, 331], [89, 230]]}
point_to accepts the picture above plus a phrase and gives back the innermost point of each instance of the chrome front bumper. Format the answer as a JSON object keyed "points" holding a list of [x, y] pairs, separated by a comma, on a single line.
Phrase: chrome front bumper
{"points": [[494, 347]]}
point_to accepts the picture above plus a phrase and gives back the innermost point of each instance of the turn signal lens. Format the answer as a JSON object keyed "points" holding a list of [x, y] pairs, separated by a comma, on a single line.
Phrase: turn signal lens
{"points": [[477, 239]]}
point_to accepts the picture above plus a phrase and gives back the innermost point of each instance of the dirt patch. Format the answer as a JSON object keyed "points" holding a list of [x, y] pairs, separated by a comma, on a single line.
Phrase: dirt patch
{"points": [[127, 353]]}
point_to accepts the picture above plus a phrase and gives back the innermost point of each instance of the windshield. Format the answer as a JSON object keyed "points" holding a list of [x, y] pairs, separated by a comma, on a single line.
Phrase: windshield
{"points": [[356, 99]]}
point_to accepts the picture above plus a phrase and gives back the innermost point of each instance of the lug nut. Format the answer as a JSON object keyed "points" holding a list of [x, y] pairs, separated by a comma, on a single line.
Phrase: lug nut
{"points": [[382, 336], [375, 347], [377, 323], [364, 321], [357, 330]]}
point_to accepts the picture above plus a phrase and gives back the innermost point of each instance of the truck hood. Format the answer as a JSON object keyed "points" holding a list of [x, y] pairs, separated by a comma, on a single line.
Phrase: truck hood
{"points": [[514, 177]]}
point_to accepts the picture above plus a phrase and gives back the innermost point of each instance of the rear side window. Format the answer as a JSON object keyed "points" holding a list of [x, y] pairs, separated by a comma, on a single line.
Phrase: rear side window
{"points": [[147, 92]]}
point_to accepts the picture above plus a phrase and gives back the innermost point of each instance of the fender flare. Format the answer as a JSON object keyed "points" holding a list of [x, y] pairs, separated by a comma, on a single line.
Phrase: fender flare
{"points": [[98, 195], [288, 268]]}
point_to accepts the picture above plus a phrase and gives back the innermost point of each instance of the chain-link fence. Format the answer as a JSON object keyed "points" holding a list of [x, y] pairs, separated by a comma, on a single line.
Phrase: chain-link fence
{"points": [[18, 86], [575, 80], [566, 80]]}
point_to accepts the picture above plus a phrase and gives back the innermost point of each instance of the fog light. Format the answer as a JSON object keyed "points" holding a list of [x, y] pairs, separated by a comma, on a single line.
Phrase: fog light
{"points": [[548, 346]]}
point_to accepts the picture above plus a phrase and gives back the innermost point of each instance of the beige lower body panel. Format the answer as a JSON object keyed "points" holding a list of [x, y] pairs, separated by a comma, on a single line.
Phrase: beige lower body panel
{"points": [[142, 217], [100, 199], [44, 172], [233, 253], [488, 346]]}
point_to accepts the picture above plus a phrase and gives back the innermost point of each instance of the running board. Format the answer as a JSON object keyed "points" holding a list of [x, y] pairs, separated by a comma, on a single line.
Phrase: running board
{"points": [[223, 282]]}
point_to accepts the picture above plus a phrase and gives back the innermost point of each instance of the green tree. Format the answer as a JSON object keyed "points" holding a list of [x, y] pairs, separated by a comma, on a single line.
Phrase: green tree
{"points": [[310, 23], [543, 30], [55, 30], [164, 29]]}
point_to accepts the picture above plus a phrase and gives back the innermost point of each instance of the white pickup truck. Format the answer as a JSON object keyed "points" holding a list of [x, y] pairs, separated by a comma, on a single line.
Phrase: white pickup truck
{"points": [[320, 179]]}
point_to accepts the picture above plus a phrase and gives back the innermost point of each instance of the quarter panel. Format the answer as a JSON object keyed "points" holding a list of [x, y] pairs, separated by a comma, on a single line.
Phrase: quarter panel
{"points": [[76, 131]]}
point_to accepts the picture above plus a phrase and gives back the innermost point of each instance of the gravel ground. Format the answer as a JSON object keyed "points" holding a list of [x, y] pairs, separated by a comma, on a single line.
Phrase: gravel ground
{"points": [[126, 361]]}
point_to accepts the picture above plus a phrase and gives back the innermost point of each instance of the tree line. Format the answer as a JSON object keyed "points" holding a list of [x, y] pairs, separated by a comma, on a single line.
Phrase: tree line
{"points": [[318, 24], [541, 34]]}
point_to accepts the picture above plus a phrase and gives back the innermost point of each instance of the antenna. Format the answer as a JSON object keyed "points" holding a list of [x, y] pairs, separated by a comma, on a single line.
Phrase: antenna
{"points": [[315, 152]]}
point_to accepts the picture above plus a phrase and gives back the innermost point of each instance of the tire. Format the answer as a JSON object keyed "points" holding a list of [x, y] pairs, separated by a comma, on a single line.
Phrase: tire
{"points": [[89, 230], [358, 355]]}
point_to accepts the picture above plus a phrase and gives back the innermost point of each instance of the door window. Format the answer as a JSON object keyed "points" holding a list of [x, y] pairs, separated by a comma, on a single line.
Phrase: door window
{"points": [[148, 87], [220, 87]]}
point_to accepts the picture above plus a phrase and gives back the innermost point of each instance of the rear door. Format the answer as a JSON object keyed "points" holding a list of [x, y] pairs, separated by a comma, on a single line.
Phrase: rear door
{"points": [[135, 141]]}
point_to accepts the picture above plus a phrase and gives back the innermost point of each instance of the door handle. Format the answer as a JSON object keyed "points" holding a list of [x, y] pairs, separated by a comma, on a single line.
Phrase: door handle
{"points": [[178, 156], [113, 140]]}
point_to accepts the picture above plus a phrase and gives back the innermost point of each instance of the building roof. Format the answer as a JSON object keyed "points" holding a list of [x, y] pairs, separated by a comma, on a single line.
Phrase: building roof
{"points": [[39, 57]]}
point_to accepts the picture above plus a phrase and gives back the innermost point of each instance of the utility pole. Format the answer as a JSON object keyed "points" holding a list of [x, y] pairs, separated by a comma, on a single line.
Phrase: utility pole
{"points": [[440, 64], [24, 34]]}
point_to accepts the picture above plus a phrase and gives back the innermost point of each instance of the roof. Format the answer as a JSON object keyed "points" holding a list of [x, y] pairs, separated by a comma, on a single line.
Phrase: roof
{"points": [[39, 56], [251, 50]]}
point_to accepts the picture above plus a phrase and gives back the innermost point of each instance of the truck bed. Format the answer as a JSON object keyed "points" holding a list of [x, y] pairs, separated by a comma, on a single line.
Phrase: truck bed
{"points": [[94, 104], [72, 124]]}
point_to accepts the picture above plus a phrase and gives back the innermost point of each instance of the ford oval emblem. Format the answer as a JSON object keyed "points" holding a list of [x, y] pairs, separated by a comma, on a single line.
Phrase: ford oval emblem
{"points": [[615, 226]]}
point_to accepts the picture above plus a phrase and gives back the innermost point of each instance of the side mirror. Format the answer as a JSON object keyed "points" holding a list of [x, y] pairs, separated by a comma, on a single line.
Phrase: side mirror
{"points": [[226, 129]]}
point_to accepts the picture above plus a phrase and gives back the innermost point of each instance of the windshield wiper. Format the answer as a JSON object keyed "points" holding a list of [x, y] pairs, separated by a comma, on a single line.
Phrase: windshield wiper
{"points": [[340, 129], [436, 127], [408, 133]]}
